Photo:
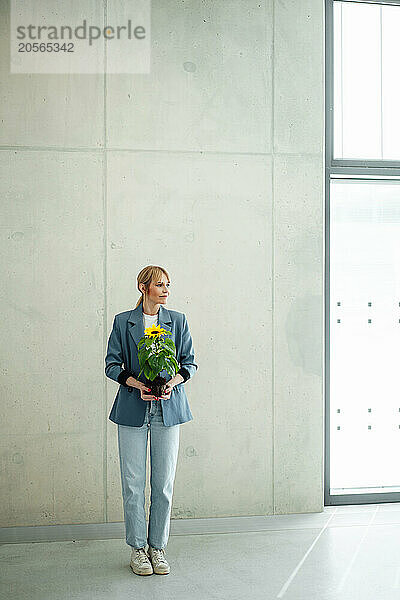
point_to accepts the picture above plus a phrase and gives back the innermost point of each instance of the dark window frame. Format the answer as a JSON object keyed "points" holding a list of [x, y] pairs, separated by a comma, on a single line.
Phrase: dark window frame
{"points": [[371, 169]]}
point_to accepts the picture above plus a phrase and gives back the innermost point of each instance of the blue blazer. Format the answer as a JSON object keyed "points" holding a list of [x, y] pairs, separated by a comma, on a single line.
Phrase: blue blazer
{"points": [[122, 349]]}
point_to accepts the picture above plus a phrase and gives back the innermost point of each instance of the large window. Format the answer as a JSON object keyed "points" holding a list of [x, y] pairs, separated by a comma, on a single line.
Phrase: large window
{"points": [[362, 252]]}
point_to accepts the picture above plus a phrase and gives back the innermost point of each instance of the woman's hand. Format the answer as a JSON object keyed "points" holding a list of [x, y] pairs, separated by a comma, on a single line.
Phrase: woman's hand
{"points": [[143, 389], [169, 385], [167, 392]]}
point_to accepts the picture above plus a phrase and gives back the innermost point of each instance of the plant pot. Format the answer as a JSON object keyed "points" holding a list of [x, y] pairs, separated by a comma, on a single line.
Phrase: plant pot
{"points": [[157, 386]]}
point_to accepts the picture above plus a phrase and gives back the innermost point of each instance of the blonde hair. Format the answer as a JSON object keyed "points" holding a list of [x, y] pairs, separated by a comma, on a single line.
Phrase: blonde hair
{"points": [[147, 275]]}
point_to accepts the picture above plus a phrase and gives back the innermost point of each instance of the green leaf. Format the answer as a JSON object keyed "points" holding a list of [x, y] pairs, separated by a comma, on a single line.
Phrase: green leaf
{"points": [[148, 372], [143, 356], [153, 362], [170, 344], [173, 365]]}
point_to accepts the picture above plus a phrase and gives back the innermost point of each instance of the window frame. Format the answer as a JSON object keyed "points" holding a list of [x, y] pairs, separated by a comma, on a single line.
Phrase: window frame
{"points": [[371, 169]]}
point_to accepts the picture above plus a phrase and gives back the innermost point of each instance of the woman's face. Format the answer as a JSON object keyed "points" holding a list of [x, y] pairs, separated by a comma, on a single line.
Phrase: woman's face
{"points": [[158, 291]]}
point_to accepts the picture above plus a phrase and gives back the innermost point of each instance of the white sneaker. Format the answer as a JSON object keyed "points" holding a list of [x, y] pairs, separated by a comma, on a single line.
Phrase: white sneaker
{"points": [[159, 562], [140, 563]]}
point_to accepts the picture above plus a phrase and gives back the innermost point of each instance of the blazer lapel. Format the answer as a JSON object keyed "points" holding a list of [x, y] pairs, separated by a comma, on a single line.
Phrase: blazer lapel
{"points": [[136, 324]]}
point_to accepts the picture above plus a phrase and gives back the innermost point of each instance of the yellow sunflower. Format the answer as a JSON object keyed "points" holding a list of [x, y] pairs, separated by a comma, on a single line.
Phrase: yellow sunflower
{"points": [[155, 331]]}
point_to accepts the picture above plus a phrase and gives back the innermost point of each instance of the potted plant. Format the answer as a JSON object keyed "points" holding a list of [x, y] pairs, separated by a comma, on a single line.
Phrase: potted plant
{"points": [[156, 353]]}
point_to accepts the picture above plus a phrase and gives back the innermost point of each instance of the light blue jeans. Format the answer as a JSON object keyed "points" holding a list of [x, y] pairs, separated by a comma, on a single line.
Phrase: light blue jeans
{"points": [[164, 446]]}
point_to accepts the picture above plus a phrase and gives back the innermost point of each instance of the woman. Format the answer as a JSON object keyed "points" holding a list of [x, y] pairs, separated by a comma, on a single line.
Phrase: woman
{"points": [[137, 413]]}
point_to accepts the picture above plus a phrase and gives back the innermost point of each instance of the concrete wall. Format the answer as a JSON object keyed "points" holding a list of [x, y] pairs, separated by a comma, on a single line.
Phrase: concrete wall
{"points": [[213, 169]]}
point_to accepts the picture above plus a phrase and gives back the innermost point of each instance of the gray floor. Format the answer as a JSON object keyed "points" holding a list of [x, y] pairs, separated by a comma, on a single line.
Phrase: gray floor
{"points": [[347, 552]]}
